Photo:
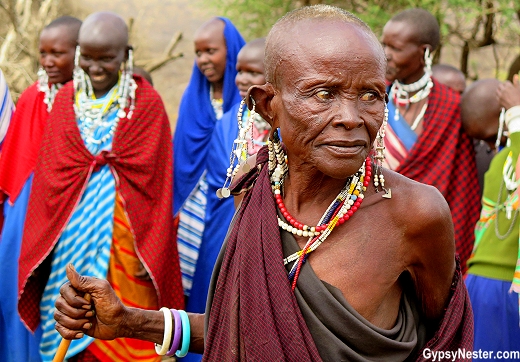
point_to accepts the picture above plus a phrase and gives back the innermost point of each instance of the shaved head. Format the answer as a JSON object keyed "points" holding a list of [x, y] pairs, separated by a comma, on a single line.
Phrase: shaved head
{"points": [[423, 24], [480, 109], [255, 48], [104, 28], [283, 33], [451, 76], [213, 26], [70, 23]]}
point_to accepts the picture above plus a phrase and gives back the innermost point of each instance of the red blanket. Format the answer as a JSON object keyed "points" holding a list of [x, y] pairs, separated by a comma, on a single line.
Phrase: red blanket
{"points": [[254, 314], [444, 157], [22, 142], [141, 161]]}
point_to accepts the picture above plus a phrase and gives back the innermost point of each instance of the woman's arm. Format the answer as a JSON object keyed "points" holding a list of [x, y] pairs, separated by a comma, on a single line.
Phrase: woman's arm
{"points": [[106, 317]]}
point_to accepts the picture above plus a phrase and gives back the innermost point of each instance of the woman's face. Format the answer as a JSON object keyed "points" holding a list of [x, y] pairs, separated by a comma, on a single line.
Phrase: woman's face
{"points": [[57, 51], [330, 99], [102, 62], [210, 52], [404, 55]]}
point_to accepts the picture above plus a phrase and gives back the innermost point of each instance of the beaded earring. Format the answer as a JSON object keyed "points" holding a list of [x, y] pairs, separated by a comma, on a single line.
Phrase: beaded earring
{"points": [[277, 159], [49, 90], [239, 153], [379, 179], [428, 60], [127, 87], [501, 122]]}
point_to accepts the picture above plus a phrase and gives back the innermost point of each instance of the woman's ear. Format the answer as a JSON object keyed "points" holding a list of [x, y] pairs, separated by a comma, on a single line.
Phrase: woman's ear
{"points": [[262, 96]]}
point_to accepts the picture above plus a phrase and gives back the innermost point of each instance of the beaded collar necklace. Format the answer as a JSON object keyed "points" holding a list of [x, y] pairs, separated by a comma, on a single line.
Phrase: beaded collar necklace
{"points": [[400, 92], [341, 209], [50, 90]]}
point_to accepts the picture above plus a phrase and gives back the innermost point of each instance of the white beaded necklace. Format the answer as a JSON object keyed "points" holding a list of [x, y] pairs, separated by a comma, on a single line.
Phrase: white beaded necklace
{"points": [[50, 91]]}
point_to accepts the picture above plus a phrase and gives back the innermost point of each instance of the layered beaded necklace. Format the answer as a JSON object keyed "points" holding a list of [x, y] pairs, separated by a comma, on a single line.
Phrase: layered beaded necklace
{"points": [[400, 93], [340, 210], [49, 90]]}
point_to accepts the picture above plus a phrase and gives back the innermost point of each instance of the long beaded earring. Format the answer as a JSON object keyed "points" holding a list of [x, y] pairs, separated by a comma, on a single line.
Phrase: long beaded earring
{"points": [[239, 152], [501, 122], [379, 179], [78, 76], [127, 87], [280, 159], [428, 60]]}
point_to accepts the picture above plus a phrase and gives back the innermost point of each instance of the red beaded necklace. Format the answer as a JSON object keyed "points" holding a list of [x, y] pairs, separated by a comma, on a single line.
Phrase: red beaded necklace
{"points": [[344, 206]]}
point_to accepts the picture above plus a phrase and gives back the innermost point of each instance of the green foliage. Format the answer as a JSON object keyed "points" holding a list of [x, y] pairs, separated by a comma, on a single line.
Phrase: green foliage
{"points": [[462, 22]]}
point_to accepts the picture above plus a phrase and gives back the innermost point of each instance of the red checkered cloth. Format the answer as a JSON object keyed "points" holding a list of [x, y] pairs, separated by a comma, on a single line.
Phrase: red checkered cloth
{"points": [[254, 314], [22, 142], [444, 157], [141, 161]]}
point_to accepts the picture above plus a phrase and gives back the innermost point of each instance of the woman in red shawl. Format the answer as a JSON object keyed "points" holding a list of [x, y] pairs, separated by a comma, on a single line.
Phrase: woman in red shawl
{"points": [[101, 194], [425, 140]]}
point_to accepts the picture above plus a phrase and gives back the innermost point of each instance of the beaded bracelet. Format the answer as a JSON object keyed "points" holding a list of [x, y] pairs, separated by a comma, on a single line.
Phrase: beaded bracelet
{"points": [[161, 349], [186, 335], [177, 334]]}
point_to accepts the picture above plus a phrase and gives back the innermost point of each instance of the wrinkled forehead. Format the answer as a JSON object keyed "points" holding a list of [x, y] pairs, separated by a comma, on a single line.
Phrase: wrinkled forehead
{"points": [[320, 46]]}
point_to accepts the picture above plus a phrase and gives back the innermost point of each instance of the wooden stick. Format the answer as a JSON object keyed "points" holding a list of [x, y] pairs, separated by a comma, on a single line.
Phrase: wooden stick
{"points": [[65, 343]]}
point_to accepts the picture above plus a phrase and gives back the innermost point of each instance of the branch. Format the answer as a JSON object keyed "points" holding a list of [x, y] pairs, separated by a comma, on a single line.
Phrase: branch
{"points": [[154, 64], [488, 27]]}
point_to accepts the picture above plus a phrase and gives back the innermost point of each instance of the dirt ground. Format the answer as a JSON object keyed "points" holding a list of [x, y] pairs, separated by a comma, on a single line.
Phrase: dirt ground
{"points": [[155, 23]]}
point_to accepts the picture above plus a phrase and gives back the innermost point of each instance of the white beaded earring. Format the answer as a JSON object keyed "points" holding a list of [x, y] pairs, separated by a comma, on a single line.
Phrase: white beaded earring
{"points": [[378, 178], [239, 153], [501, 123], [428, 60]]}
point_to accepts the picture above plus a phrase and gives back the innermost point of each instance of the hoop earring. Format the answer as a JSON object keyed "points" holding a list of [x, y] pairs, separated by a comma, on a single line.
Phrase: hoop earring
{"points": [[379, 179]]}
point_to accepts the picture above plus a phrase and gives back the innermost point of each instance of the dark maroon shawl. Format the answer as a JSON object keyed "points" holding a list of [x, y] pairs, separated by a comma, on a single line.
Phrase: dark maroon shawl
{"points": [[141, 161], [254, 314]]}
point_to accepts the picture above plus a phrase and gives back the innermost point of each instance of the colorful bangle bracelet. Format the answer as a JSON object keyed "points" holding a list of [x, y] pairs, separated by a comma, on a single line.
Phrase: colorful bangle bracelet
{"points": [[177, 334], [162, 349], [186, 335]]}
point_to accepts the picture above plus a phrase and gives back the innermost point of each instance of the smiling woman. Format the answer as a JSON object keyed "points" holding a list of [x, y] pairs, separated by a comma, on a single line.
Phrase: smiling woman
{"points": [[105, 161], [103, 54]]}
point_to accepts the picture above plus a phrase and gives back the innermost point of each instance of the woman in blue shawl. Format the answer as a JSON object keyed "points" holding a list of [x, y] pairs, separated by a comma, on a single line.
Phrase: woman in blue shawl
{"points": [[210, 93]]}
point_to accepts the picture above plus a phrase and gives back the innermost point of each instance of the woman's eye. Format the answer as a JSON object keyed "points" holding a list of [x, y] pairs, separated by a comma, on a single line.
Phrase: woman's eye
{"points": [[323, 94], [368, 96]]}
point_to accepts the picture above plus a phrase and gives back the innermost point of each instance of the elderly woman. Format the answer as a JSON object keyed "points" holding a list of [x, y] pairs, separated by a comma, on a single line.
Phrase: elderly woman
{"points": [[319, 264]]}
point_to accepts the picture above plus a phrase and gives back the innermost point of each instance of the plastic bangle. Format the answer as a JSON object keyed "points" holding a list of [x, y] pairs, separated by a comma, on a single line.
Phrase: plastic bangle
{"points": [[177, 334], [186, 335], [162, 349]]}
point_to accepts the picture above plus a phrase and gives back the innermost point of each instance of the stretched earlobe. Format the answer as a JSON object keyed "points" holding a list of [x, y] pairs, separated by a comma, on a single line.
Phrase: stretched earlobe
{"points": [[262, 96]]}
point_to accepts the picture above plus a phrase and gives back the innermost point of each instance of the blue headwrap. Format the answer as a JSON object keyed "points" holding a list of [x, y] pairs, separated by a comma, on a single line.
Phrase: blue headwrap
{"points": [[197, 119]]}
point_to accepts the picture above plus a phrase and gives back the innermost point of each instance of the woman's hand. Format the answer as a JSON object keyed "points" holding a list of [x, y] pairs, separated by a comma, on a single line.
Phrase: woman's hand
{"points": [[100, 318], [508, 93]]}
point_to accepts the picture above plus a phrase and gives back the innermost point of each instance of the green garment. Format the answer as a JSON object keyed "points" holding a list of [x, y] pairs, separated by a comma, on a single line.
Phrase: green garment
{"points": [[492, 256]]}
